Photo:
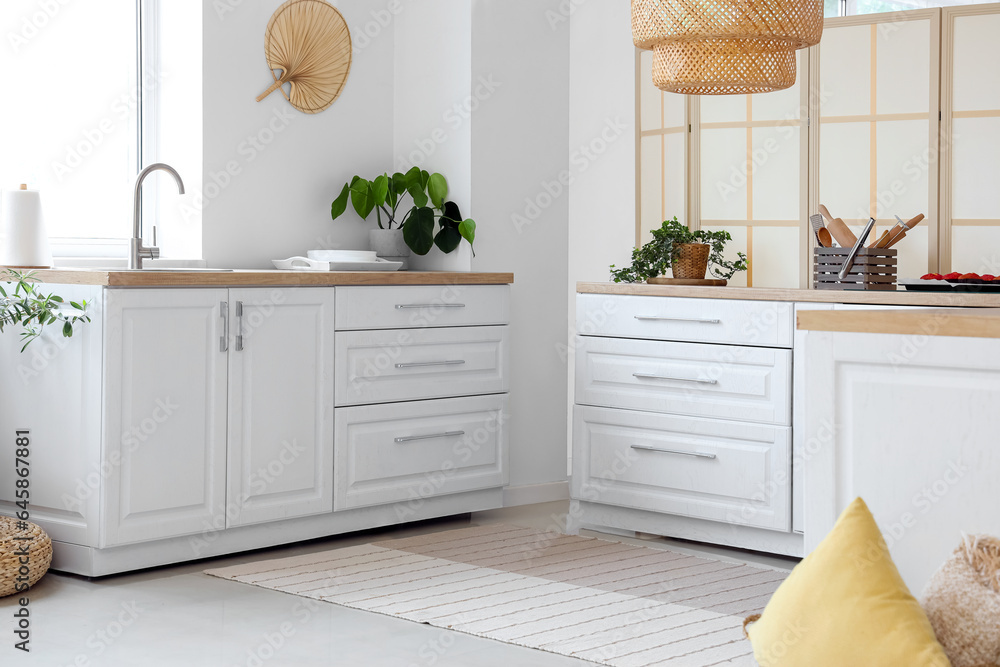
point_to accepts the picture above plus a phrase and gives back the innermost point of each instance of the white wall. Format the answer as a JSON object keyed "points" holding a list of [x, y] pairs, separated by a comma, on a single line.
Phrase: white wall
{"points": [[433, 92], [602, 93], [520, 144], [277, 204], [602, 195]]}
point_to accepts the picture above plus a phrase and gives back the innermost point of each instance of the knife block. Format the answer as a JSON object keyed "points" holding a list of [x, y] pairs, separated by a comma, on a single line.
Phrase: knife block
{"points": [[874, 269]]}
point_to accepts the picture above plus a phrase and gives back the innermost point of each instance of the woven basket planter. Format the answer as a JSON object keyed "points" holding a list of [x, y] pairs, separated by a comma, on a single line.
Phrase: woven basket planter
{"points": [[725, 47], [39, 555], [690, 260]]}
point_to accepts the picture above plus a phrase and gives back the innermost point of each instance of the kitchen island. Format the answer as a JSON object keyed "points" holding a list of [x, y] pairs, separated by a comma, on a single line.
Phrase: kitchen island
{"points": [[911, 403], [202, 413], [690, 416]]}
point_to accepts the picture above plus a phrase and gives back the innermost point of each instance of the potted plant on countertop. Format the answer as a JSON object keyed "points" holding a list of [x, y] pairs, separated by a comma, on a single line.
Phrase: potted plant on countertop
{"points": [[433, 227], [689, 254]]}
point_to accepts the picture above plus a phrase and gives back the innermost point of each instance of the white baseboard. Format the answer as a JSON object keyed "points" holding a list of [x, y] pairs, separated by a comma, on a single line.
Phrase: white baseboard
{"points": [[532, 494]]}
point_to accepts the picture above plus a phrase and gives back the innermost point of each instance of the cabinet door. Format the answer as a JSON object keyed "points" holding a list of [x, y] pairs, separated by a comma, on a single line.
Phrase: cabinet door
{"points": [[165, 414], [280, 404]]}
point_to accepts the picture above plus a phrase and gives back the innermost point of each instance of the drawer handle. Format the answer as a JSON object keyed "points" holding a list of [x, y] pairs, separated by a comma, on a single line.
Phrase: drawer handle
{"points": [[413, 438], [679, 452], [653, 318], [427, 364], [418, 306], [650, 376]]}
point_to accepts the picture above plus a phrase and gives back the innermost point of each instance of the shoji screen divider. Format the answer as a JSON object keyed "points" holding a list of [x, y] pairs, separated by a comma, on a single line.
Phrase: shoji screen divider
{"points": [[753, 169], [970, 139], [877, 149]]}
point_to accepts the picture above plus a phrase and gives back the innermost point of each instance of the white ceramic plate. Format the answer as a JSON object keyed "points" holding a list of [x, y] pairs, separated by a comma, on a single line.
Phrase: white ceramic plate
{"points": [[343, 255], [378, 265], [300, 264]]}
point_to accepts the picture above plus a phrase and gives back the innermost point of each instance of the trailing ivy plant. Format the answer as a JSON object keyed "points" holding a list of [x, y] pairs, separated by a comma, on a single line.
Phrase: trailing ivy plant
{"points": [[654, 258], [25, 305], [430, 211]]}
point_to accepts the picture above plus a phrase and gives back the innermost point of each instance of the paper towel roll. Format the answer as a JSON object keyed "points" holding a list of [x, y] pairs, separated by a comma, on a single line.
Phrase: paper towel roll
{"points": [[24, 242]]}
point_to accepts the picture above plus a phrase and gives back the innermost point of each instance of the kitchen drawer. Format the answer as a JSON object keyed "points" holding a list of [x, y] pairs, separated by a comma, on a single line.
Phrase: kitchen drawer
{"points": [[423, 306], [706, 469], [407, 452], [737, 383], [412, 364], [754, 323]]}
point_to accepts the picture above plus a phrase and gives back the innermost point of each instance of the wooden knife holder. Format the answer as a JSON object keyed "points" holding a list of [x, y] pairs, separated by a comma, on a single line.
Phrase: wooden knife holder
{"points": [[874, 269]]}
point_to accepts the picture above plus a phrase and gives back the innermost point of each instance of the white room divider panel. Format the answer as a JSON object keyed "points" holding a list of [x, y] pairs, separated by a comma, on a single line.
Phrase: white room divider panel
{"points": [[753, 155], [878, 90], [970, 238], [662, 154]]}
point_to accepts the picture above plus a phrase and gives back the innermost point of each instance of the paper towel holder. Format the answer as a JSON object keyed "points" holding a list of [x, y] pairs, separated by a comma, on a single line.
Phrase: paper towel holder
{"points": [[25, 243]]}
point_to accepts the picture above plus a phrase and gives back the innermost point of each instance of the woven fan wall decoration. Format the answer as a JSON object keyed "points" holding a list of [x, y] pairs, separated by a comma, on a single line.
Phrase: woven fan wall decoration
{"points": [[308, 41], [725, 47]]}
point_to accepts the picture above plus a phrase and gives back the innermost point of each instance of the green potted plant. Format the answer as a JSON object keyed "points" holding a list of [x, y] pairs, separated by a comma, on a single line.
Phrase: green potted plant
{"points": [[432, 226], [690, 255], [26, 306]]}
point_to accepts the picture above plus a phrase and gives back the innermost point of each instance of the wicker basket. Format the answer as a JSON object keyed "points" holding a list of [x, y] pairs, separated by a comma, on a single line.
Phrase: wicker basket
{"points": [[11, 543], [690, 260], [874, 269]]}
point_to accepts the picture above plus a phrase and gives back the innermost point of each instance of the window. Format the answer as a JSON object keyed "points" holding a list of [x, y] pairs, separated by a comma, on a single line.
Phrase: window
{"points": [[87, 88], [902, 117]]}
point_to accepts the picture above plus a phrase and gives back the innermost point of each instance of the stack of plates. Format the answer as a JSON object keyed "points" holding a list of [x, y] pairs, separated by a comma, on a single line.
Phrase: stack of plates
{"points": [[337, 260]]}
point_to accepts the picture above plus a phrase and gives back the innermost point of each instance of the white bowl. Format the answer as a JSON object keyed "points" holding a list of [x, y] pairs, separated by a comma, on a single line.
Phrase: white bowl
{"points": [[343, 255]]}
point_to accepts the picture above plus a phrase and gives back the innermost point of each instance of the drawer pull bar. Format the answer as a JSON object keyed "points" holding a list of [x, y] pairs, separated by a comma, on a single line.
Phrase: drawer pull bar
{"points": [[426, 364], [652, 318], [650, 376], [419, 306], [413, 438], [698, 455]]}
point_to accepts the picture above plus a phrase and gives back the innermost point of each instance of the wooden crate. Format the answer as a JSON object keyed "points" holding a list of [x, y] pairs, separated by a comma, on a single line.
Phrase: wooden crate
{"points": [[874, 269]]}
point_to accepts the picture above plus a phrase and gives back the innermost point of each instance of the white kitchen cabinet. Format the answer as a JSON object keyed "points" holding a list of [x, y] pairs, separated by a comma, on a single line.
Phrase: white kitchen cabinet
{"points": [[164, 413], [417, 364], [910, 424], [700, 468], [198, 422], [406, 453], [281, 392]]}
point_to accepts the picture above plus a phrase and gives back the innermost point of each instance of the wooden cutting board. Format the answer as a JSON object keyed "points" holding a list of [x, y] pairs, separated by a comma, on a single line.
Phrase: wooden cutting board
{"points": [[707, 282]]}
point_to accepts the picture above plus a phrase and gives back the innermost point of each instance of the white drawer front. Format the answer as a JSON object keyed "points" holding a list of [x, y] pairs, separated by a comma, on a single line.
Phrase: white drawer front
{"points": [[737, 383], [707, 469], [412, 364], [420, 307], [754, 323], [407, 452]]}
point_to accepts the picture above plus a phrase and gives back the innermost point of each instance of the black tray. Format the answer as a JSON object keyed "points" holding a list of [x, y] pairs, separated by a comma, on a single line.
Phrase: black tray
{"points": [[951, 285]]}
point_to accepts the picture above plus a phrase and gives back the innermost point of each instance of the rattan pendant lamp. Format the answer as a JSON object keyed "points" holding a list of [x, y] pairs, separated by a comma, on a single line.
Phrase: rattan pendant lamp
{"points": [[725, 47]]}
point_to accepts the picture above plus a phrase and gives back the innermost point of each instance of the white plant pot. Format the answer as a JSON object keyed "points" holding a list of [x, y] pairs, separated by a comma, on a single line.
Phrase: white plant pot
{"points": [[389, 244], [457, 261]]}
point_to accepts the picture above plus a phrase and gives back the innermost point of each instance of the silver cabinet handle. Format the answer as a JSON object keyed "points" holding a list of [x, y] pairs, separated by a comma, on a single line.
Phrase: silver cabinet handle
{"points": [[427, 364], [449, 434], [414, 306], [224, 311], [651, 376], [679, 452], [654, 318], [239, 326]]}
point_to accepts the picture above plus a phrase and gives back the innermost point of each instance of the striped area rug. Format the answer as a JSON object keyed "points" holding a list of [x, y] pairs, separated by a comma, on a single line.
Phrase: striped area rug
{"points": [[601, 601]]}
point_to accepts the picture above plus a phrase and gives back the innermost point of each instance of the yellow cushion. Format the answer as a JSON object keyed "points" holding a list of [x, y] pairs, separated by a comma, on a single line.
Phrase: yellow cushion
{"points": [[845, 605]]}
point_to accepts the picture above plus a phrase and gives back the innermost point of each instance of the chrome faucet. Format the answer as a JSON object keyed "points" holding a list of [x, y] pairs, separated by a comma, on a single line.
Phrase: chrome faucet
{"points": [[136, 250]]}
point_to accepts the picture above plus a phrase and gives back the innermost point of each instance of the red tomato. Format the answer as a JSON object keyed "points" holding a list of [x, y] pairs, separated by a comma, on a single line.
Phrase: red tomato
{"points": [[931, 276], [953, 276], [970, 276], [989, 276]]}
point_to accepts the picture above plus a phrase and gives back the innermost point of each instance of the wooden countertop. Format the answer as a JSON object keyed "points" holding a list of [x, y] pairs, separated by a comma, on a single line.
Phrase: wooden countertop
{"points": [[180, 278], [897, 298], [970, 323]]}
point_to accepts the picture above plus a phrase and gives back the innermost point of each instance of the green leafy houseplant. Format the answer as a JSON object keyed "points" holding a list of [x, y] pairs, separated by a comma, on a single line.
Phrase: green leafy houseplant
{"points": [[34, 311], [654, 258], [431, 209]]}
